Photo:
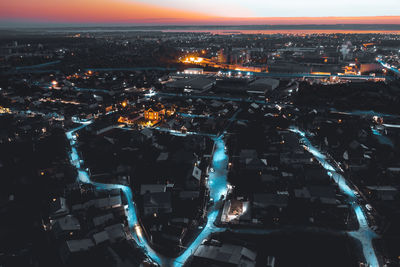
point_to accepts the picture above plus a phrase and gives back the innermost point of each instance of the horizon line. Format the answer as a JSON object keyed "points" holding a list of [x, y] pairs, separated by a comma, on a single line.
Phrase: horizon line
{"points": [[207, 21], [165, 25]]}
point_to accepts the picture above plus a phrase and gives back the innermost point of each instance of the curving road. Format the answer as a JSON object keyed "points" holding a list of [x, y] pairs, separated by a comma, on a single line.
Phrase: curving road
{"points": [[218, 187], [388, 67], [364, 234]]}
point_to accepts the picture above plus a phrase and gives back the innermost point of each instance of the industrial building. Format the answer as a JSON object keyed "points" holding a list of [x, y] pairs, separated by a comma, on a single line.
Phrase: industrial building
{"points": [[195, 84]]}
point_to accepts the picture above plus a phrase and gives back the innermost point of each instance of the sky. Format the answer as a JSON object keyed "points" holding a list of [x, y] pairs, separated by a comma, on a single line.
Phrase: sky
{"points": [[201, 12]]}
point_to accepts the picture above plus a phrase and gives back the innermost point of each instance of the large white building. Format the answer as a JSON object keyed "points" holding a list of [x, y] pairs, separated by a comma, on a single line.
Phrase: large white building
{"points": [[193, 71]]}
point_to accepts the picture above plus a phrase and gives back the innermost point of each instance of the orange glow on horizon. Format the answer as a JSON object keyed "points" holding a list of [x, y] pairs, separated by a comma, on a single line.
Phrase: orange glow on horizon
{"points": [[315, 20], [94, 11], [125, 11]]}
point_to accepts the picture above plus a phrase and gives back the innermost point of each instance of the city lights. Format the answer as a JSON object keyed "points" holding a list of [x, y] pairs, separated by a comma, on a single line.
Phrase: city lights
{"points": [[200, 144]]}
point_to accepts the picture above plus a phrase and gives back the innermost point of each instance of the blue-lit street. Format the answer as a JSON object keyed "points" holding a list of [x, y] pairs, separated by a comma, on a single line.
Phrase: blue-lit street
{"points": [[364, 234], [218, 188], [194, 134], [387, 66], [83, 176]]}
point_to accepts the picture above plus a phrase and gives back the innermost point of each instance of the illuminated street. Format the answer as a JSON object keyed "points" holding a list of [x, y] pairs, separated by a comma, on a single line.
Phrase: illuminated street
{"points": [[364, 233], [195, 134], [388, 67], [218, 188]]}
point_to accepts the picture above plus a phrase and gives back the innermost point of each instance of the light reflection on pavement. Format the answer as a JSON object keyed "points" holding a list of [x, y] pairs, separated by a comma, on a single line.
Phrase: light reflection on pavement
{"points": [[364, 234], [218, 186]]}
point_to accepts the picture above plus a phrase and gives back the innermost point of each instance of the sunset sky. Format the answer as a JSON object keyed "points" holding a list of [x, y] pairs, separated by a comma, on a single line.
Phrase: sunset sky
{"points": [[204, 12]]}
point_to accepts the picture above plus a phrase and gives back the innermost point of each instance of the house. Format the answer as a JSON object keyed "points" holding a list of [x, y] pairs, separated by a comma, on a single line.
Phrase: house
{"points": [[268, 178], [250, 160], [291, 142], [184, 129], [316, 176], [189, 195], [180, 221], [302, 193], [385, 193], [154, 114], [295, 158], [225, 255], [102, 219], [58, 207], [152, 188], [73, 247], [163, 156], [265, 200], [192, 180], [115, 232], [129, 119], [196, 173], [256, 164], [100, 128], [247, 154], [255, 106], [216, 104], [325, 193], [101, 237], [157, 203], [66, 226], [183, 157], [109, 202], [234, 209]]}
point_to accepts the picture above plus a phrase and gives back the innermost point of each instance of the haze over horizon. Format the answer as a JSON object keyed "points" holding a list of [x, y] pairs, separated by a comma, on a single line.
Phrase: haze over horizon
{"points": [[206, 12]]}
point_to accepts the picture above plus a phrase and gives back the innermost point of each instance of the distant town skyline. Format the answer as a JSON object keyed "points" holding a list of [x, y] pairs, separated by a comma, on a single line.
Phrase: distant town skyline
{"points": [[206, 12]]}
